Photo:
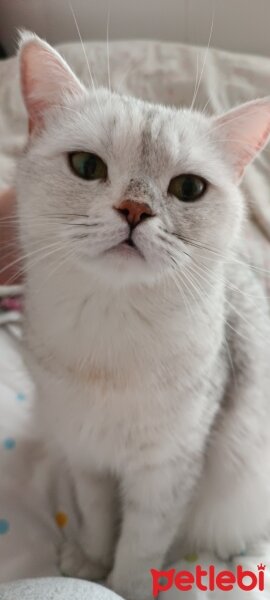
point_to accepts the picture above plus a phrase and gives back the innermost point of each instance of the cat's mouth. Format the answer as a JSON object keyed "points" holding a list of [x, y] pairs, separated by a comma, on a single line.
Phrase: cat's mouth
{"points": [[129, 242], [127, 248]]}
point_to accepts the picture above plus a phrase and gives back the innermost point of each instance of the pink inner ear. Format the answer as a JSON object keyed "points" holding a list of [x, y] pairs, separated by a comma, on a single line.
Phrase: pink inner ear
{"points": [[35, 106], [46, 80], [244, 131]]}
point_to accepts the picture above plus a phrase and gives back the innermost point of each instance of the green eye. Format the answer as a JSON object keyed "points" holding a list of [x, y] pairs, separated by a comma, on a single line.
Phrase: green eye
{"points": [[187, 187], [88, 166]]}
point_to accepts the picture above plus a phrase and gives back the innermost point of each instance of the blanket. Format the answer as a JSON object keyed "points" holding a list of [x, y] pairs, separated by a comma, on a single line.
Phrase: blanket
{"points": [[36, 501]]}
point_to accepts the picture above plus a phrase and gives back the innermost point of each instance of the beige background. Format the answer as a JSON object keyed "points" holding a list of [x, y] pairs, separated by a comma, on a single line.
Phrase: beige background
{"points": [[239, 25]]}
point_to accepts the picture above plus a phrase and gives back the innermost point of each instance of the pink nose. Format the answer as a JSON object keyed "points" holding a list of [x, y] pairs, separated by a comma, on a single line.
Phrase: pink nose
{"points": [[134, 212]]}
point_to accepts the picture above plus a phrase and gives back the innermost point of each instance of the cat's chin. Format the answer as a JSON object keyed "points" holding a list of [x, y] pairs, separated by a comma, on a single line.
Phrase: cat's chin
{"points": [[124, 265], [126, 251]]}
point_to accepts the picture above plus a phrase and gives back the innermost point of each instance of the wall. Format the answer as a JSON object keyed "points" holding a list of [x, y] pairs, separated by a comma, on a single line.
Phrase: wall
{"points": [[240, 25]]}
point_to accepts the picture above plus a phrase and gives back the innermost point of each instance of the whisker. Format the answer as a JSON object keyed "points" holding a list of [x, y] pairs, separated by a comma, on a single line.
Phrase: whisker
{"points": [[228, 258], [196, 80], [178, 280], [33, 263], [229, 284], [204, 61], [197, 301], [27, 255], [239, 333], [16, 219], [59, 265], [230, 358], [108, 52], [181, 276], [197, 291], [91, 81], [235, 310], [205, 106], [226, 345]]}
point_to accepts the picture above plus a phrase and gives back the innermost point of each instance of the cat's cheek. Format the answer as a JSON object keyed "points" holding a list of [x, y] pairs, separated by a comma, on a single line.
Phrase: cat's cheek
{"points": [[160, 259]]}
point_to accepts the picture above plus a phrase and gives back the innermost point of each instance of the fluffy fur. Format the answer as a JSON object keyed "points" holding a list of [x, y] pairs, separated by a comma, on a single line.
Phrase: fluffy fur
{"points": [[151, 370]]}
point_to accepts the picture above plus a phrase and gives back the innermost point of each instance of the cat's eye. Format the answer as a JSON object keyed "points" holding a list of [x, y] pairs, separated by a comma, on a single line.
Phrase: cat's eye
{"points": [[88, 166], [187, 187]]}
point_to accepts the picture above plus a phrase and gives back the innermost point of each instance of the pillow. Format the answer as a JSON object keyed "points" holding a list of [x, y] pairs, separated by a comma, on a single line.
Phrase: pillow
{"points": [[55, 588]]}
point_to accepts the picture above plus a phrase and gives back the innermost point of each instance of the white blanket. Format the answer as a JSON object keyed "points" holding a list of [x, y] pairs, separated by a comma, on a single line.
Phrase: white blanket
{"points": [[35, 512]]}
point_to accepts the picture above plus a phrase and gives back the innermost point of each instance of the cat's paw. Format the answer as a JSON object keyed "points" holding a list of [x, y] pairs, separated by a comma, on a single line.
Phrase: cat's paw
{"points": [[227, 553], [125, 587], [75, 563]]}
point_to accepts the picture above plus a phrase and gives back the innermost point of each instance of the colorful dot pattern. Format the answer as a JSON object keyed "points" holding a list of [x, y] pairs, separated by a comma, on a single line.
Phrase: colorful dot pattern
{"points": [[61, 519], [4, 526], [192, 557], [9, 443]]}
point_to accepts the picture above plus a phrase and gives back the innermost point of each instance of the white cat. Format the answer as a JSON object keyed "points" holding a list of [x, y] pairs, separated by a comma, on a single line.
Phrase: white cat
{"points": [[152, 374]]}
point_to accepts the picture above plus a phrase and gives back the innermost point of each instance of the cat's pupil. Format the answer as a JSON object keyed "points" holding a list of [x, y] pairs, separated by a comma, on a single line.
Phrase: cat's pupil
{"points": [[89, 166], [190, 187], [86, 164]]}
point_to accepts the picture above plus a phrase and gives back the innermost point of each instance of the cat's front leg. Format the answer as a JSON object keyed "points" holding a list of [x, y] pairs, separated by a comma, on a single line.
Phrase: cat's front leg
{"points": [[153, 503], [91, 555]]}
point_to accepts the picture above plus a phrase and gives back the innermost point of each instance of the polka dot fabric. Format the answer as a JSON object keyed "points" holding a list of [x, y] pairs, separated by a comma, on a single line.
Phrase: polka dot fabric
{"points": [[32, 520]]}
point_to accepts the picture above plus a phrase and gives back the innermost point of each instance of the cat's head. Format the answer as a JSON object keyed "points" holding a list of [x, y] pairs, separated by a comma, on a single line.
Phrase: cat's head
{"points": [[130, 190]]}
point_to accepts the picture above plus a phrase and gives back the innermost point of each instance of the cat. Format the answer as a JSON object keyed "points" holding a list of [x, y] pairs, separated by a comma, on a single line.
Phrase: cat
{"points": [[152, 374]]}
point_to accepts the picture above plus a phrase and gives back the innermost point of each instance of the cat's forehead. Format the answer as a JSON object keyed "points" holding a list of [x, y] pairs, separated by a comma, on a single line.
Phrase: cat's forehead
{"points": [[135, 136], [151, 123], [149, 133]]}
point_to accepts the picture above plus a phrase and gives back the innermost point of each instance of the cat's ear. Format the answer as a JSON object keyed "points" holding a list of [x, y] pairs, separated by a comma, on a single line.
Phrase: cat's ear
{"points": [[46, 79], [243, 132]]}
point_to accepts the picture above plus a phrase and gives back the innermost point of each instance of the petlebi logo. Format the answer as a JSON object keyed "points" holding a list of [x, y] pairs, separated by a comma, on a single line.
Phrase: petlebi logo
{"points": [[209, 579]]}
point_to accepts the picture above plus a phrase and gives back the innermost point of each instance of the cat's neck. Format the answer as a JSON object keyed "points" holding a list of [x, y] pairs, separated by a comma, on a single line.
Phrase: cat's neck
{"points": [[81, 320]]}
